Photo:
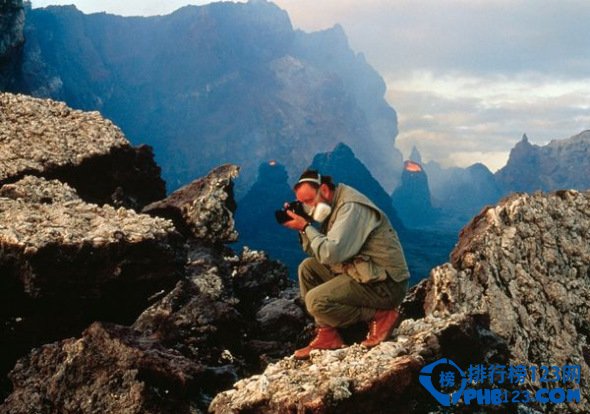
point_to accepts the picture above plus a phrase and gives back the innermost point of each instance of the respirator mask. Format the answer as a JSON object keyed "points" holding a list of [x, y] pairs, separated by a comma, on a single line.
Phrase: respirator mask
{"points": [[320, 211]]}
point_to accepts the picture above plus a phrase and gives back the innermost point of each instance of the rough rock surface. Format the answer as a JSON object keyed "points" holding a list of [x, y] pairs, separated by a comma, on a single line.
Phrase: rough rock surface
{"points": [[526, 264], [517, 292], [110, 369], [204, 208], [65, 263], [222, 312], [47, 138], [222, 316]]}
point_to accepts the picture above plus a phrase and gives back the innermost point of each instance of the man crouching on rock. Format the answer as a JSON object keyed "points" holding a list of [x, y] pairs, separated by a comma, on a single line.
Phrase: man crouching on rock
{"points": [[357, 270]]}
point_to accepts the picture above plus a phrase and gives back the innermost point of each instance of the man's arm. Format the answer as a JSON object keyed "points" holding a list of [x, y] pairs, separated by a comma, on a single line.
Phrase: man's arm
{"points": [[346, 237]]}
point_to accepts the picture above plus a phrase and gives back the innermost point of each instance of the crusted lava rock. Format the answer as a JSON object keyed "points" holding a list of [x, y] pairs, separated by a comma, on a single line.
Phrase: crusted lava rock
{"points": [[211, 318], [46, 138], [110, 369], [65, 263], [517, 291], [204, 208]]}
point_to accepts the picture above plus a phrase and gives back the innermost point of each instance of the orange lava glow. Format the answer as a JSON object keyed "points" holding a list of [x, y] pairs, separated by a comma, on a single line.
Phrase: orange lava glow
{"points": [[272, 163], [412, 166]]}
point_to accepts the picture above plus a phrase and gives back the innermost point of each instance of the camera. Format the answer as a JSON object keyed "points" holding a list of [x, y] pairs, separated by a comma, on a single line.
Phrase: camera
{"points": [[294, 206]]}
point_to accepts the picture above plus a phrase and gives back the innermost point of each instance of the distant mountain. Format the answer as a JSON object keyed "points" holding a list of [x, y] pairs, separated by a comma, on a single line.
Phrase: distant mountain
{"points": [[412, 198], [255, 217], [224, 82], [461, 192], [561, 164], [344, 167]]}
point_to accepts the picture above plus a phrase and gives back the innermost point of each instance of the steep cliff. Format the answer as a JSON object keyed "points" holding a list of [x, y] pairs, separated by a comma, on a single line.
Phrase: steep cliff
{"points": [[12, 22], [171, 81]]}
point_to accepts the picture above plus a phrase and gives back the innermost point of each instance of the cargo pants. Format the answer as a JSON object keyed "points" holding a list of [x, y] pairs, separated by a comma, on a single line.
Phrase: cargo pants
{"points": [[339, 300]]}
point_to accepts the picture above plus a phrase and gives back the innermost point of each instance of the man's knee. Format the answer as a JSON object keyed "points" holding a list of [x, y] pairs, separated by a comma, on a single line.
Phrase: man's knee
{"points": [[305, 269], [316, 302], [306, 266]]}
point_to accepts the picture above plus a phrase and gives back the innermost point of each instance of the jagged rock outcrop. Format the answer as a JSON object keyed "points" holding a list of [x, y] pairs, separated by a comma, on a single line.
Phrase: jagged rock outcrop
{"points": [[560, 164], [227, 317], [516, 291], [204, 208], [65, 263], [46, 138], [12, 22]]}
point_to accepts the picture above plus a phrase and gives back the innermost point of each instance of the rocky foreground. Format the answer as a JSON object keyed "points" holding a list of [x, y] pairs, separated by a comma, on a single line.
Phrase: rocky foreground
{"points": [[517, 291], [216, 325], [179, 316]]}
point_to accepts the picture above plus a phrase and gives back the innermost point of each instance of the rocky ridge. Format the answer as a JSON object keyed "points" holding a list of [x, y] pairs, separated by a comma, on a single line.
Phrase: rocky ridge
{"points": [[516, 291], [562, 163], [220, 322], [204, 208]]}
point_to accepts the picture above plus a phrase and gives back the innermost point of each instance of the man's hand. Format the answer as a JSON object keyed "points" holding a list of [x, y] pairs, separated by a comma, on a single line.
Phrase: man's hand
{"points": [[298, 223]]}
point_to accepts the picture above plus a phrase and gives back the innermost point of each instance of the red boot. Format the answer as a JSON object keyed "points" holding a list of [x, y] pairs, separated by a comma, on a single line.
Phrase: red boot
{"points": [[325, 338], [381, 327]]}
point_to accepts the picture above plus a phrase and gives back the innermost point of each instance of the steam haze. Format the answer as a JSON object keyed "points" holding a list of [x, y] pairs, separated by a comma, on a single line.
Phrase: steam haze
{"points": [[467, 78]]}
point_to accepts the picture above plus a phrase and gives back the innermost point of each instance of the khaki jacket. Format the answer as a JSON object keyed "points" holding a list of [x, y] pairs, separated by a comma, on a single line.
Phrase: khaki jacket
{"points": [[381, 254]]}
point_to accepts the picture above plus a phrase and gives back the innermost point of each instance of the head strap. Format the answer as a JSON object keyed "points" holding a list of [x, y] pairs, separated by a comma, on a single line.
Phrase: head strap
{"points": [[317, 181]]}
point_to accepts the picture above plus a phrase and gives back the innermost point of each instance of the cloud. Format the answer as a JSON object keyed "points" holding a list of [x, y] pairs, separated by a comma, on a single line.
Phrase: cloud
{"points": [[459, 119], [491, 36]]}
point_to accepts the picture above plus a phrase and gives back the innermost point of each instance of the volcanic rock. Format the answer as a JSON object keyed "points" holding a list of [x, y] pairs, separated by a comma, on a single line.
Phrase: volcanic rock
{"points": [[110, 369], [517, 291], [46, 138], [204, 208], [215, 314], [65, 263], [218, 316]]}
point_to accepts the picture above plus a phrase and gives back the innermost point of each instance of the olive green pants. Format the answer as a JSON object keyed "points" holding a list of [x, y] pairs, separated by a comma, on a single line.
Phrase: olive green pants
{"points": [[339, 300]]}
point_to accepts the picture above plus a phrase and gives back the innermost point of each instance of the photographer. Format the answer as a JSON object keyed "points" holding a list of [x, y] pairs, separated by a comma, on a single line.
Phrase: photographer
{"points": [[357, 270]]}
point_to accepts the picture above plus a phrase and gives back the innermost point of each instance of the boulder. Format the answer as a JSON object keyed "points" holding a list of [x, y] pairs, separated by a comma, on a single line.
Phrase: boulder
{"points": [[204, 208], [65, 263], [109, 369], [45, 138]]}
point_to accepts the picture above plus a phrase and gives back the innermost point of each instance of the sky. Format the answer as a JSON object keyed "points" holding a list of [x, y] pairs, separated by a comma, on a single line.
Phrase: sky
{"points": [[467, 78]]}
